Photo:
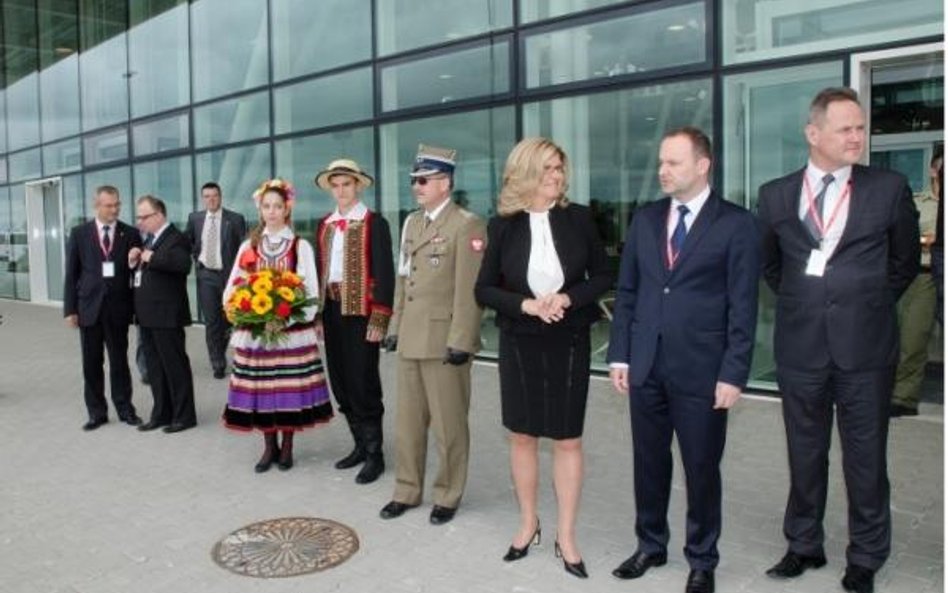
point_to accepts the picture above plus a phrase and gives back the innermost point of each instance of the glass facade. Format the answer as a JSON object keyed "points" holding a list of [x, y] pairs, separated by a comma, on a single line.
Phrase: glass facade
{"points": [[160, 96]]}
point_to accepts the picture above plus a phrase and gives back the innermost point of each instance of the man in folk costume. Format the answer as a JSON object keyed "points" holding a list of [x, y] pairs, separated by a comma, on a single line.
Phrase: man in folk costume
{"points": [[357, 277], [436, 330]]}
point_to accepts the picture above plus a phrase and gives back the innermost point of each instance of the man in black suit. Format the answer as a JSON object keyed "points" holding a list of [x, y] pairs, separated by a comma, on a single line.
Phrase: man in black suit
{"points": [[681, 345], [840, 244], [215, 234], [163, 311], [98, 300]]}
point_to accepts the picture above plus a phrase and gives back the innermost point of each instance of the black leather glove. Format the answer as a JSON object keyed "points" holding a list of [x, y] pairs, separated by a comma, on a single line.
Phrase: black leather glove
{"points": [[390, 343], [456, 357]]}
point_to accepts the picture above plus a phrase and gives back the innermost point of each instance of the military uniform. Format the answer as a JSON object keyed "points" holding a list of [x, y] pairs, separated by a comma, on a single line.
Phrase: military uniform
{"points": [[435, 311]]}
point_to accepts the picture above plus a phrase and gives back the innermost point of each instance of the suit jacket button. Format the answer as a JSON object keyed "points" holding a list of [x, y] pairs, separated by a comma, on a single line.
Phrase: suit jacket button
{"points": [[666, 290]]}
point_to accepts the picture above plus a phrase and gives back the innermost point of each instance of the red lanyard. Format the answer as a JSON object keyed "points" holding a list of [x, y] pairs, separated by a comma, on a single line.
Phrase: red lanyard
{"points": [[811, 206]]}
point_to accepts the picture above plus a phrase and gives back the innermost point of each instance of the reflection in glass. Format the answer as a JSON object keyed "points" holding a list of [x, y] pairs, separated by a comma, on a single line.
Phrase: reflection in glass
{"points": [[159, 74], [299, 159], [59, 66], [52, 241], [536, 10], [21, 63], [103, 74], [74, 203], [314, 36], [25, 165], [764, 29], [233, 120], [117, 177], [62, 157], [407, 24], [3, 122], [473, 72], [170, 180], [228, 46], [632, 44], [170, 133], [7, 266], [239, 171], [612, 142], [327, 101], [102, 20], [106, 146], [23, 112]]}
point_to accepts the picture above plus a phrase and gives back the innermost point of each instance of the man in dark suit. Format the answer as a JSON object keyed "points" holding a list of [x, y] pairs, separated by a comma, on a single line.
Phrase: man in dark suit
{"points": [[163, 311], [682, 338], [215, 234], [98, 300], [840, 244]]}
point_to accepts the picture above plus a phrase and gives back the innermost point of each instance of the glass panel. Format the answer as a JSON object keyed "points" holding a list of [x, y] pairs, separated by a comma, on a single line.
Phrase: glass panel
{"points": [[3, 170], [23, 112], [232, 120], [407, 24], [101, 20], [7, 265], [536, 10], [612, 141], [74, 203], [327, 101], [764, 29], [630, 44], [104, 80], [909, 106], [25, 165], [107, 146], [170, 180], [62, 157], [53, 239], [239, 171], [158, 60], [473, 72], [19, 239], [59, 63], [229, 46], [299, 159], [313, 36], [3, 122], [170, 133], [118, 177]]}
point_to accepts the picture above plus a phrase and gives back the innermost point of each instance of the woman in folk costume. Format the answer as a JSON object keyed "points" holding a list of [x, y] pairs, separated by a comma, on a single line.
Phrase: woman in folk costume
{"points": [[276, 386]]}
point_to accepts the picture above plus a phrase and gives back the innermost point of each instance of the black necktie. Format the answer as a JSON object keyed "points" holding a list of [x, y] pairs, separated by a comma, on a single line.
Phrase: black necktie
{"points": [[149, 239], [818, 201], [106, 242], [678, 236]]}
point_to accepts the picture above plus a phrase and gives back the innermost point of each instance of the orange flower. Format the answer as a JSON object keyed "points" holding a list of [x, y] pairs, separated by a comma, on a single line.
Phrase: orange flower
{"points": [[248, 260]]}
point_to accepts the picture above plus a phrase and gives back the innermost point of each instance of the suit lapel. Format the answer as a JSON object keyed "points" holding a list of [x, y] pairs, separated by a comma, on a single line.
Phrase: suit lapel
{"points": [[559, 228], [659, 226], [791, 204], [858, 189]]}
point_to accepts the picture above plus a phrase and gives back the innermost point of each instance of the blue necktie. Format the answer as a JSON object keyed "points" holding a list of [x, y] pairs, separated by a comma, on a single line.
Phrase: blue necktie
{"points": [[678, 236], [149, 239]]}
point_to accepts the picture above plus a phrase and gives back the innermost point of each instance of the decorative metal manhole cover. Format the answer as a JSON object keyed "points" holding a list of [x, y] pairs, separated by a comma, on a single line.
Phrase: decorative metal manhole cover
{"points": [[286, 547]]}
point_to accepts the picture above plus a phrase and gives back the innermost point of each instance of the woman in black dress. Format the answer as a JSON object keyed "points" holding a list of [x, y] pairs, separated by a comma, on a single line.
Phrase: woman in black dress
{"points": [[543, 270]]}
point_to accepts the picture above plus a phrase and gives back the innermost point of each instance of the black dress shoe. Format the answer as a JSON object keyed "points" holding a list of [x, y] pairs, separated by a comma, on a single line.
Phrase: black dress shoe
{"points": [[395, 509], [94, 423], [577, 569], [858, 579], [131, 419], [793, 564], [898, 410], [700, 581], [515, 553], [441, 515], [636, 565], [176, 427], [373, 468], [219, 373], [353, 459], [151, 425]]}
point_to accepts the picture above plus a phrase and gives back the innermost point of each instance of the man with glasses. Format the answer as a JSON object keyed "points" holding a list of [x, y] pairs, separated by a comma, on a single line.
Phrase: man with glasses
{"points": [[162, 309], [98, 301], [436, 330]]}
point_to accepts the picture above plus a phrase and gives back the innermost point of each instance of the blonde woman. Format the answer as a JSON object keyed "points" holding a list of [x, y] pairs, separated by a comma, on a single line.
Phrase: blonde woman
{"points": [[544, 269]]}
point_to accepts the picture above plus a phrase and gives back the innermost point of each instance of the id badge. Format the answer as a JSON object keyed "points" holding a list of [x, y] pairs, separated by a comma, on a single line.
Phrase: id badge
{"points": [[108, 269], [816, 265], [137, 279]]}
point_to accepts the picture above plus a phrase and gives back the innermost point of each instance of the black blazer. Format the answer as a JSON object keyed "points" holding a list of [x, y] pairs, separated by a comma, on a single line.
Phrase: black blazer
{"points": [[161, 301], [502, 281], [85, 289], [847, 316], [233, 232]]}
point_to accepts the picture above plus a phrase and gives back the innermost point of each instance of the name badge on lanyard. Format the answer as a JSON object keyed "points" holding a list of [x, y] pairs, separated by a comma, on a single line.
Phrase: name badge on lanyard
{"points": [[108, 269], [137, 279], [816, 265]]}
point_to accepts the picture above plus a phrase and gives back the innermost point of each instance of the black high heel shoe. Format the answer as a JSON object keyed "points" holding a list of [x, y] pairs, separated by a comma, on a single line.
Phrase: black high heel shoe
{"points": [[515, 553], [577, 569]]}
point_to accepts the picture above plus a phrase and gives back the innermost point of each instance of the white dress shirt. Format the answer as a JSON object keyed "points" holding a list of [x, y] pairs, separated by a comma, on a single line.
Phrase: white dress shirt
{"points": [[336, 254], [836, 190]]}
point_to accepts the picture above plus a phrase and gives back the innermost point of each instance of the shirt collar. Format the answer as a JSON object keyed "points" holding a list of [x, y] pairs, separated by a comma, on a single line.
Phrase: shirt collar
{"points": [[357, 212], [434, 213], [815, 175], [284, 233], [159, 231], [696, 203]]}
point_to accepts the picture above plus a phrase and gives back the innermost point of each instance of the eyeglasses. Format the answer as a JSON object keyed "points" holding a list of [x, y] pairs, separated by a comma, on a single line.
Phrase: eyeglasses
{"points": [[144, 217], [423, 181]]}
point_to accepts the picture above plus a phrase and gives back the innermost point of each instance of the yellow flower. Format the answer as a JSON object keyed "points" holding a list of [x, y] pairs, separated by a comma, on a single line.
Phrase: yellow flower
{"points": [[261, 303], [240, 295], [265, 273], [263, 285], [286, 293]]}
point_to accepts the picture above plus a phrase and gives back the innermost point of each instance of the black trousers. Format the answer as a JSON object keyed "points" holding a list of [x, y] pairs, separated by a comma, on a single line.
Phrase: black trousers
{"points": [[658, 409], [111, 336], [353, 365], [169, 371], [210, 289], [861, 400]]}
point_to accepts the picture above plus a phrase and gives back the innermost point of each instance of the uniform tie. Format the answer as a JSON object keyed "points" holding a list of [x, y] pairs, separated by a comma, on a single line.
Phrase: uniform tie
{"points": [[808, 219], [678, 236]]}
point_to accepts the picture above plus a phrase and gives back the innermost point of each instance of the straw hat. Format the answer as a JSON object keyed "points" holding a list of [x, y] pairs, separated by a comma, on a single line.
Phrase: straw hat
{"points": [[343, 167]]}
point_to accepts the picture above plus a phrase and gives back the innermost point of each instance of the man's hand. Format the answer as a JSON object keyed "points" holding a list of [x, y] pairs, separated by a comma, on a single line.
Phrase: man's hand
{"points": [[725, 395], [373, 335], [134, 256], [390, 343], [146, 255], [456, 357], [620, 379], [72, 321]]}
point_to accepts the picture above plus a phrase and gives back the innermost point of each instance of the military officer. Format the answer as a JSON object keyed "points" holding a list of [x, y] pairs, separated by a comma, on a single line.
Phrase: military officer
{"points": [[435, 328]]}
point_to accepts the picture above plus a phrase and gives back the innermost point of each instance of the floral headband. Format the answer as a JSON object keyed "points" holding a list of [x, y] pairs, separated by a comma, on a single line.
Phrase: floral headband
{"points": [[278, 184]]}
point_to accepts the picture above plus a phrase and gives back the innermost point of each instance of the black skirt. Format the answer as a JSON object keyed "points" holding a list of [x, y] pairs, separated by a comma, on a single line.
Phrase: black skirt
{"points": [[544, 381]]}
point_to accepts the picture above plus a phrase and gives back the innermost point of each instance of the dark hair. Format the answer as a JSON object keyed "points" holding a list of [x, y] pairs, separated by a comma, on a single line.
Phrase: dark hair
{"points": [[822, 100], [937, 154], [154, 202], [212, 185], [699, 140], [107, 189]]}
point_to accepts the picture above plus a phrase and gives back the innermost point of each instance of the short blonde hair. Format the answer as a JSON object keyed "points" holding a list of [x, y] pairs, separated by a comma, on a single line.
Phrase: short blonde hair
{"points": [[524, 172]]}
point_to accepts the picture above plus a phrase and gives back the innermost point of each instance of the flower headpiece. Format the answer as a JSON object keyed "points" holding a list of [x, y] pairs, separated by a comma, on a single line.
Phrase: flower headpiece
{"points": [[279, 184]]}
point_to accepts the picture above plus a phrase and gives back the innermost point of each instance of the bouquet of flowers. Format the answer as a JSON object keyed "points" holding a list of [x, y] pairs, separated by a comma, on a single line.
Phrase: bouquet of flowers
{"points": [[265, 302]]}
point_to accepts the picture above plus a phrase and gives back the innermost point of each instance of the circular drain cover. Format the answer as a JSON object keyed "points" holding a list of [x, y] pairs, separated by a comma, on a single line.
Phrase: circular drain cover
{"points": [[286, 547]]}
